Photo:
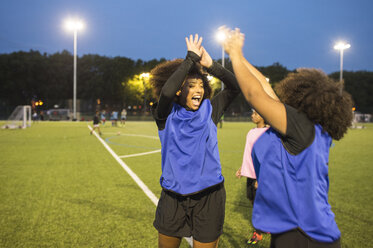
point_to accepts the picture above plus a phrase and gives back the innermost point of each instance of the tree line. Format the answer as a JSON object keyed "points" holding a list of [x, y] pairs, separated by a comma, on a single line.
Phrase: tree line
{"points": [[115, 82]]}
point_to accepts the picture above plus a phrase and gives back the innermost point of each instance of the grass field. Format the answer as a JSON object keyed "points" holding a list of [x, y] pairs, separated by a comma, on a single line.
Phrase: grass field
{"points": [[59, 186]]}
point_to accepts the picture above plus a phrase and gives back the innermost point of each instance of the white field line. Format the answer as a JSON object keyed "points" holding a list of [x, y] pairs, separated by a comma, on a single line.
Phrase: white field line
{"points": [[134, 135], [140, 183], [140, 154]]}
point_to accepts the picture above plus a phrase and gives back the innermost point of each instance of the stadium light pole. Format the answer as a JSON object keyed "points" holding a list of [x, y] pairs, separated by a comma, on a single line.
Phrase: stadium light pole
{"points": [[74, 25], [220, 37], [144, 76], [341, 46]]}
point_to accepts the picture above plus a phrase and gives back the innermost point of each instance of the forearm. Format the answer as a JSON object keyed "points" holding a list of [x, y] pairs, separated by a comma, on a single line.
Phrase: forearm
{"points": [[225, 76], [223, 99], [253, 84], [272, 111], [248, 82], [262, 79], [174, 83]]}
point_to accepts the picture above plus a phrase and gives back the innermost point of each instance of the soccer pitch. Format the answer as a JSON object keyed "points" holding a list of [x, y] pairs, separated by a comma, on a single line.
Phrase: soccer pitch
{"points": [[60, 187]]}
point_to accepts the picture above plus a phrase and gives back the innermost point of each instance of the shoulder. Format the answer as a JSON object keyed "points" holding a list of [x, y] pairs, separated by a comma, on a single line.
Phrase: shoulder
{"points": [[300, 131], [161, 122]]}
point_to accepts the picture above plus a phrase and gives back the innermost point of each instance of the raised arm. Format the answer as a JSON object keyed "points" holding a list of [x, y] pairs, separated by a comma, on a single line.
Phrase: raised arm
{"points": [[174, 83], [223, 99], [262, 79], [219, 71], [270, 109]]}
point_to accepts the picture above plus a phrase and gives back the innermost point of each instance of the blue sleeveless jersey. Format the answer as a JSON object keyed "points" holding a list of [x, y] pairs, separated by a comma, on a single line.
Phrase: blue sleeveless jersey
{"points": [[293, 189], [190, 156]]}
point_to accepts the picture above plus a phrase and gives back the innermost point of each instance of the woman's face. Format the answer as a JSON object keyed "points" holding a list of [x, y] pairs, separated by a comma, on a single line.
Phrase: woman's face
{"points": [[256, 117], [192, 92]]}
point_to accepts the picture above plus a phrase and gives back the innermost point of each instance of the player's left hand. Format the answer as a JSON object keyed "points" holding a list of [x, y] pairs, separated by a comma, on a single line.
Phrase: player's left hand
{"points": [[194, 45], [234, 41]]}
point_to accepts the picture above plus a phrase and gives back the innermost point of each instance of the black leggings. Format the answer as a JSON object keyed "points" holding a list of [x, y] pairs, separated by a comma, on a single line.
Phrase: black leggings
{"points": [[296, 238]]}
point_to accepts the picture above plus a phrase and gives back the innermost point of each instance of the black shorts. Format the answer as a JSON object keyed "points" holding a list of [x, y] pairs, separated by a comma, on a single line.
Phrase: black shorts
{"points": [[250, 189], [199, 215], [296, 238]]}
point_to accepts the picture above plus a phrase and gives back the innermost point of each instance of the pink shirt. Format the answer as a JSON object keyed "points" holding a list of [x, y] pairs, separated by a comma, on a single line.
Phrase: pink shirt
{"points": [[247, 167]]}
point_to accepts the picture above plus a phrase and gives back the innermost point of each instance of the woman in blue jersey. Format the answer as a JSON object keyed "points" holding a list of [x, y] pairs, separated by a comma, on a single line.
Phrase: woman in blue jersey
{"points": [[291, 158], [192, 201]]}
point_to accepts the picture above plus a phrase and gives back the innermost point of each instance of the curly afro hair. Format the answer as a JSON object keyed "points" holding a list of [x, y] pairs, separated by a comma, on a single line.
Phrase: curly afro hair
{"points": [[161, 73], [323, 101]]}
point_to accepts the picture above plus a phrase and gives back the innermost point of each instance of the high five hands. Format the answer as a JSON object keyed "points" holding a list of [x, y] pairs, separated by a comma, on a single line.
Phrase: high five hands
{"points": [[232, 44], [234, 40], [195, 45]]}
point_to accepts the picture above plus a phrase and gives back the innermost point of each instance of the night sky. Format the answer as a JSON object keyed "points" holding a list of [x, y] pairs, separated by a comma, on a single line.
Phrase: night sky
{"points": [[295, 33]]}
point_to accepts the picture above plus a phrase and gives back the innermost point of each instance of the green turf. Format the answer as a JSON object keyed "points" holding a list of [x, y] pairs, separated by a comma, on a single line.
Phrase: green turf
{"points": [[59, 187]]}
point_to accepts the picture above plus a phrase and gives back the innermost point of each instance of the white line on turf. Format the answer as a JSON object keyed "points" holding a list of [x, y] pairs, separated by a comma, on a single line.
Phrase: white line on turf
{"points": [[140, 154], [134, 135], [140, 183]]}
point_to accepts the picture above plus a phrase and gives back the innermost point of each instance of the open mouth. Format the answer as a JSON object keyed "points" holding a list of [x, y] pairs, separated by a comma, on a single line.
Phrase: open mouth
{"points": [[196, 100]]}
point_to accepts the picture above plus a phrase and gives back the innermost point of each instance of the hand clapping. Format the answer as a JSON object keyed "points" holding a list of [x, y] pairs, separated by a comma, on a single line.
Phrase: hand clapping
{"points": [[234, 40], [194, 45]]}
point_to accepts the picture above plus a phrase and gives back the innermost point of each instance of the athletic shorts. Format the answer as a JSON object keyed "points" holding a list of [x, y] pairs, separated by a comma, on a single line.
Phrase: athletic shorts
{"points": [[96, 125], [297, 238], [199, 215], [250, 189]]}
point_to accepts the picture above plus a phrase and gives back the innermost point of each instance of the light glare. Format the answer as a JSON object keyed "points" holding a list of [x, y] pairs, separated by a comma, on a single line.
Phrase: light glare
{"points": [[74, 25], [220, 36], [341, 46]]}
